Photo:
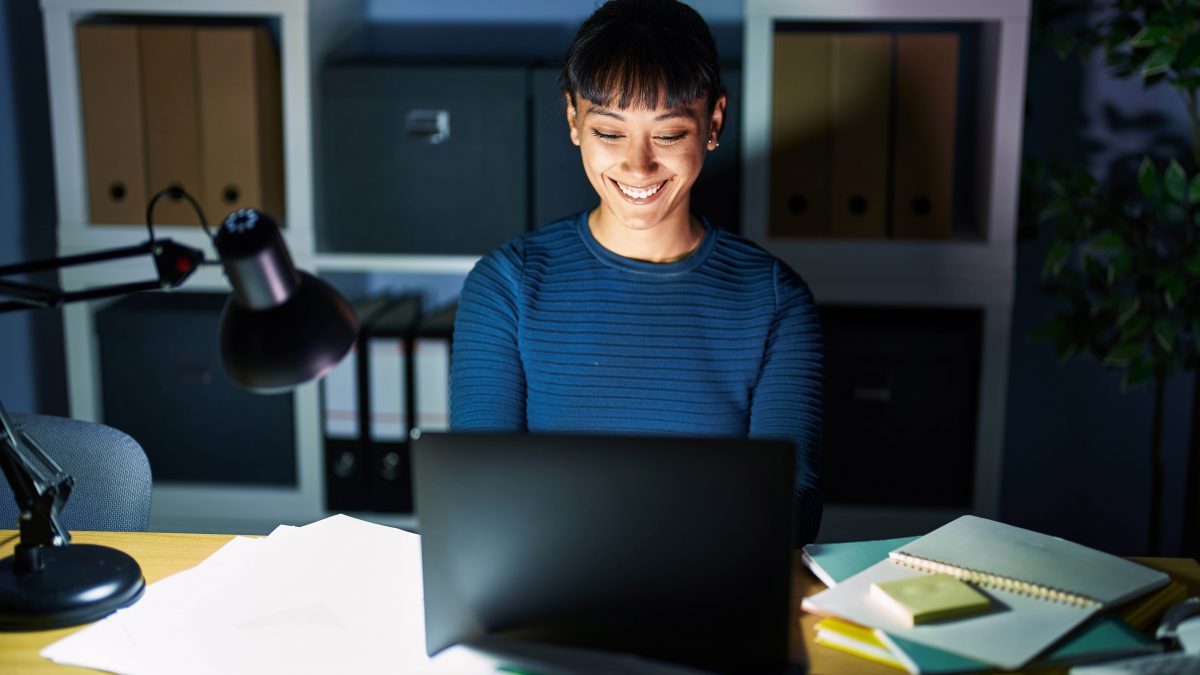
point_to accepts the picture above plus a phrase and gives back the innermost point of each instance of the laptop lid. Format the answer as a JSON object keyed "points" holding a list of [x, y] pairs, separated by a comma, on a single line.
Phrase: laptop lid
{"points": [[671, 548]]}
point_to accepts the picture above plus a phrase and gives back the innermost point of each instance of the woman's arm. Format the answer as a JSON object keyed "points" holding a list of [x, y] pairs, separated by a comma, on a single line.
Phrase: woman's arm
{"points": [[487, 379], [787, 401]]}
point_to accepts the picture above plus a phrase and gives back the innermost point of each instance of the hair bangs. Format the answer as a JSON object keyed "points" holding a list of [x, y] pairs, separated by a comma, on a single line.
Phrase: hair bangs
{"points": [[642, 55]]}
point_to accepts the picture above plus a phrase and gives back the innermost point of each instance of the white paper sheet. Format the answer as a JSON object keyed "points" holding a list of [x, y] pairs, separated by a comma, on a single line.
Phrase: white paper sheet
{"points": [[340, 595]]}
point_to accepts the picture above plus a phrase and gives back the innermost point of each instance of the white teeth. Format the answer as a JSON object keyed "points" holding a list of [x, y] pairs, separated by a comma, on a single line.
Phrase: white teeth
{"points": [[638, 193]]}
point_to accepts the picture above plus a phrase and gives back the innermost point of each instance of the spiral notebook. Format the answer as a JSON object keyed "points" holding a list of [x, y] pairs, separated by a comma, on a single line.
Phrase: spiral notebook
{"points": [[1042, 587]]}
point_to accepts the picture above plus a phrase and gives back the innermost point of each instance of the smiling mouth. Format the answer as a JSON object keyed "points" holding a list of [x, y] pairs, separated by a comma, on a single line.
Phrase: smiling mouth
{"points": [[639, 192]]}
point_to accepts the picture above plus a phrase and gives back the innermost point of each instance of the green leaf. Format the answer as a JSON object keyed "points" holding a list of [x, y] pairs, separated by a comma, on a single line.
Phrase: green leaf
{"points": [[1159, 60], [1192, 265], [1175, 180], [1122, 354], [1051, 330], [1122, 264], [1139, 371], [1128, 309], [1194, 190], [1147, 177], [1108, 241], [1133, 329], [1173, 287], [1189, 53], [1164, 335], [1056, 257], [1149, 37]]}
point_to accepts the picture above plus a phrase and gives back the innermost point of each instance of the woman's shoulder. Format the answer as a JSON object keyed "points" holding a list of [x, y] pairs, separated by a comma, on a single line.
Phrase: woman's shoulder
{"points": [[750, 257], [510, 257]]}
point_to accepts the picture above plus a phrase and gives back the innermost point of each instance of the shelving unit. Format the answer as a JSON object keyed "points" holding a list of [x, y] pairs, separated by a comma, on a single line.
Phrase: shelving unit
{"points": [[953, 273], [306, 30]]}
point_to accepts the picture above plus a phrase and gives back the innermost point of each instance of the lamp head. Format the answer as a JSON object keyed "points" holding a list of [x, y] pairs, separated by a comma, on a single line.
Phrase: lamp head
{"points": [[281, 327]]}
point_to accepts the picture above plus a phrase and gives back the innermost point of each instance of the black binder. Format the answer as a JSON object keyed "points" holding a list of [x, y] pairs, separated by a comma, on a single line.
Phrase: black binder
{"points": [[347, 467], [385, 376]]}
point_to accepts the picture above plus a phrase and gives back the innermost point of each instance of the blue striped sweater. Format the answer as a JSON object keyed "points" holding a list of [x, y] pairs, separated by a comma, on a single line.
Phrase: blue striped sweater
{"points": [[556, 333]]}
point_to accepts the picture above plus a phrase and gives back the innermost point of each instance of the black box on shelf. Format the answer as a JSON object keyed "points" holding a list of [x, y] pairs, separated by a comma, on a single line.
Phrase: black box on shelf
{"points": [[422, 159], [901, 405], [162, 383]]}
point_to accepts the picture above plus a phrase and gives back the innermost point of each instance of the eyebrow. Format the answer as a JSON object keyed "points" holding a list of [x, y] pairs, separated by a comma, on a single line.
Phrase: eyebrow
{"points": [[670, 114]]}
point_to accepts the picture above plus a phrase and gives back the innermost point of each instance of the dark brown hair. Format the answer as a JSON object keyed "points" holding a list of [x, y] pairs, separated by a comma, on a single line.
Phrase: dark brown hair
{"points": [[631, 52]]}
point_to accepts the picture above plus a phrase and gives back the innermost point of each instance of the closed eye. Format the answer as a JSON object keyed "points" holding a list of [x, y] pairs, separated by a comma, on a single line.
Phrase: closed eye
{"points": [[607, 138], [673, 138]]}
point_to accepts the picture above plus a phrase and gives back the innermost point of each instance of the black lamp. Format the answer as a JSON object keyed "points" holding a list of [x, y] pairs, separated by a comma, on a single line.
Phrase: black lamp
{"points": [[280, 328]]}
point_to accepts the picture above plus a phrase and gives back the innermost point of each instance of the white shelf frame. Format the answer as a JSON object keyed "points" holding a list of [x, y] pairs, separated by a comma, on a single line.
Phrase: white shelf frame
{"points": [[965, 274], [307, 29]]}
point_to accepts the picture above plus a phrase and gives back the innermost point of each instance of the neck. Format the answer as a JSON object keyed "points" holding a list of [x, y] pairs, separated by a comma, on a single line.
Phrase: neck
{"points": [[666, 242]]}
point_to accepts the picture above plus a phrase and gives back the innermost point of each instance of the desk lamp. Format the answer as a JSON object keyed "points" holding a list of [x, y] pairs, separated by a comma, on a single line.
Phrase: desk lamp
{"points": [[280, 328]]}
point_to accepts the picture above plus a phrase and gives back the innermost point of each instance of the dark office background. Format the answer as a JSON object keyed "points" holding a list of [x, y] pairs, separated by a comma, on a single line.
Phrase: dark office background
{"points": [[1075, 455]]}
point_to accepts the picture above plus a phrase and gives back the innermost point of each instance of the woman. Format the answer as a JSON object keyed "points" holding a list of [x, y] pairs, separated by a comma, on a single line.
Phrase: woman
{"points": [[637, 317]]}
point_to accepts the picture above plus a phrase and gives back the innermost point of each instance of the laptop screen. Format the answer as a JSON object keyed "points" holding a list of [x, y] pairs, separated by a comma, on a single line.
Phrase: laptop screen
{"points": [[670, 548]]}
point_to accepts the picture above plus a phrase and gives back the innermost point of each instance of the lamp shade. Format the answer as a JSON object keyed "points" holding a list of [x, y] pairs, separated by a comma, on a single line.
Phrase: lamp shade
{"points": [[281, 327]]}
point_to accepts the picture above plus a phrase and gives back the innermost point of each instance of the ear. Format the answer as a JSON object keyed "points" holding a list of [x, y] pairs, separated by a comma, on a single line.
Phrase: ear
{"points": [[571, 118], [716, 121]]}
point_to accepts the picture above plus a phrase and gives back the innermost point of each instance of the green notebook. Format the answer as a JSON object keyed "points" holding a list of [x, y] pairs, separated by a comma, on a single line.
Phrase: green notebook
{"points": [[1102, 638]]}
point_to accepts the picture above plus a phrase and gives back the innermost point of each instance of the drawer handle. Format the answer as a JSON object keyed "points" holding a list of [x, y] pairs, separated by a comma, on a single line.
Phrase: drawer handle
{"points": [[873, 394], [430, 126]]}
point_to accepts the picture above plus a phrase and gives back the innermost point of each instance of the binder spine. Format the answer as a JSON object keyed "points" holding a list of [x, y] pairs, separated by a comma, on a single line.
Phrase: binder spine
{"points": [[995, 581]]}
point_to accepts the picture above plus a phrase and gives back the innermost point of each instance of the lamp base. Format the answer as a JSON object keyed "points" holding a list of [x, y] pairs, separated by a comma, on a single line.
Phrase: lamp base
{"points": [[76, 584]]}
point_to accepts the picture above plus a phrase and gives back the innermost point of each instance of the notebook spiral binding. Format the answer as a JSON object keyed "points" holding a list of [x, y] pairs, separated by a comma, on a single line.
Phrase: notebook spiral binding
{"points": [[989, 580]]}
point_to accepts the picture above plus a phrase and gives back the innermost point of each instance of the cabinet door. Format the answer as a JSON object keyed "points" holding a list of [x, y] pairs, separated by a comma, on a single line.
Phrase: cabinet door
{"points": [[162, 383], [423, 159]]}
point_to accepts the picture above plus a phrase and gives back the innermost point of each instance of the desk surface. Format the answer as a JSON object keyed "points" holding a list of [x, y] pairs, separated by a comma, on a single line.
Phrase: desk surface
{"points": [[161, 555]]}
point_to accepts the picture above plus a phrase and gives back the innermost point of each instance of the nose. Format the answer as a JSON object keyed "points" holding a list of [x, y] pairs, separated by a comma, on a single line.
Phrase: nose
{"points": [[639, 158]]}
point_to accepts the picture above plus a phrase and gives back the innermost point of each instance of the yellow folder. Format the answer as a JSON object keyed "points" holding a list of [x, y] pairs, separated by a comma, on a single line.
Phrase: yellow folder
{"points": [[240, 121], [172, 116], [862, 65], [801, 135], [110, 90], [926, 93]]}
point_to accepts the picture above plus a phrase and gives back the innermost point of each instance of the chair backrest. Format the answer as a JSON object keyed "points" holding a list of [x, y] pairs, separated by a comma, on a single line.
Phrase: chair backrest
{"points": [[112, 475]]}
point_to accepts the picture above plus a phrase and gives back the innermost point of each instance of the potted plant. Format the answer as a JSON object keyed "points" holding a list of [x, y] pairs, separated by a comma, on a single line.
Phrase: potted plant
{"points": [[1125, 255]]}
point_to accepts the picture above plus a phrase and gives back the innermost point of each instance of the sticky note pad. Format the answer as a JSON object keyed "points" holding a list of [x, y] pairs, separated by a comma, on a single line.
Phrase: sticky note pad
{"points": [[929, 598]]}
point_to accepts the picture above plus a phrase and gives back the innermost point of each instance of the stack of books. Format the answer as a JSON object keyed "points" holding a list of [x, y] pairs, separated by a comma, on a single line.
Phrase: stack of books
{"points": [[1046, 601]]}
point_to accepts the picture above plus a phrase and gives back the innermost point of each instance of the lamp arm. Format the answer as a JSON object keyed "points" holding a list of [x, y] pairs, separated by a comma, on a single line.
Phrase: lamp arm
{"points": [[40, 487], [173, 262]]}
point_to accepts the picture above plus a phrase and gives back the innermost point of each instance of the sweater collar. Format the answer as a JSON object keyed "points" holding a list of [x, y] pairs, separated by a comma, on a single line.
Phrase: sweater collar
{"points": [[674, 268]]}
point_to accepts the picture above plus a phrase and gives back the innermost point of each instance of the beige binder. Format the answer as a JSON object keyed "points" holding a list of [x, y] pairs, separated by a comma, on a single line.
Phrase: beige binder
{"points": [[240, 121], [926, 101], [172, 117], [801, 135], [110, 90], [862, 86]]}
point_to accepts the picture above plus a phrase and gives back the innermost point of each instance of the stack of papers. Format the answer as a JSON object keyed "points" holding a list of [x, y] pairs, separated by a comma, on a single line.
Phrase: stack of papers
{"points": [[339, 595]]}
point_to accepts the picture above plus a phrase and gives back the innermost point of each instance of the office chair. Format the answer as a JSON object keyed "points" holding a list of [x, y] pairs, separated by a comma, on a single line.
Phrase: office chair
{"points": [[112, 475]]}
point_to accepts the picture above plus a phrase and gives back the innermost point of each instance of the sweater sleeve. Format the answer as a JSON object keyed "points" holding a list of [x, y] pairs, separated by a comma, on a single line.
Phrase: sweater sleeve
{"points": [[487, 378], [787, 401]]}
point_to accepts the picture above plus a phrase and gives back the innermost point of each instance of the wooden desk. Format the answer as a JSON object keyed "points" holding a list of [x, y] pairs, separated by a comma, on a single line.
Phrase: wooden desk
{"points": [[161, 555]]}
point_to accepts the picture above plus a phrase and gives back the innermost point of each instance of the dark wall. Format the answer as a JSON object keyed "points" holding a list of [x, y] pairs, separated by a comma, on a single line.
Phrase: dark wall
{"points": [[32, 375]]}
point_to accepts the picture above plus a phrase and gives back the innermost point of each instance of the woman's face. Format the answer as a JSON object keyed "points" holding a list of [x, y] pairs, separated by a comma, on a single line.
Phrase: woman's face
{"points": [[643, 162]]}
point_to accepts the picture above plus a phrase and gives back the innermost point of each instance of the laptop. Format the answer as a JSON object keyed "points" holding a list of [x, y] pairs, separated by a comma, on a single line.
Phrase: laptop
{"points": [[674, 549]]}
